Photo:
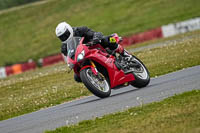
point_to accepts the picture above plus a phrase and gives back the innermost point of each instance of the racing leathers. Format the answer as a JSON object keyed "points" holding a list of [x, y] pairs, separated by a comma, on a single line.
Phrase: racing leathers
{"points": [[95, 37]]}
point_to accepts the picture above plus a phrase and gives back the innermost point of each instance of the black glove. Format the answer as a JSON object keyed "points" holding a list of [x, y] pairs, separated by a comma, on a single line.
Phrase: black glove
{"points": [[98, 36], [96, 41]]}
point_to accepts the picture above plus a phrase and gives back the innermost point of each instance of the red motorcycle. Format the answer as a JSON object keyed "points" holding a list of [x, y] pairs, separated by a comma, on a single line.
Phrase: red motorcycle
{"points": [[101, 71]]}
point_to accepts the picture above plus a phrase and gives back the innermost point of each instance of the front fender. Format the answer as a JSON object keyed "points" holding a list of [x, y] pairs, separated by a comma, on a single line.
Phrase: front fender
{"points": [[94, 70]]}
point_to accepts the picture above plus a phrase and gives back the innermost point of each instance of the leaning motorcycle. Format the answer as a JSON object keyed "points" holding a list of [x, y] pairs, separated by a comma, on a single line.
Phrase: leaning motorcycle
{"points": [[101, 71]]}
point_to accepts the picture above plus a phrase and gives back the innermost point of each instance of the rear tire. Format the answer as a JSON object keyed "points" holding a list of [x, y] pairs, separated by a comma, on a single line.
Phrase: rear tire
{"points": [[90, 81], [142, 78]]}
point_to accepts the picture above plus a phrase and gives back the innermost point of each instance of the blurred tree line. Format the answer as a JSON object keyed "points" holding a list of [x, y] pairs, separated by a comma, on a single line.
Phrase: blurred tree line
{"points": [[11, 3]]}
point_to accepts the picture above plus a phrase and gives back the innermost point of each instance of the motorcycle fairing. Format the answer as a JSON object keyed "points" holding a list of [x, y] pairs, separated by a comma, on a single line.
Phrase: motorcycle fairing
{"points": [[116, 76], [98, 54]]}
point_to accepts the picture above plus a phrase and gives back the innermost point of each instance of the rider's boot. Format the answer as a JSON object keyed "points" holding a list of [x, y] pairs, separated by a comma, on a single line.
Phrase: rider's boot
{"points": [[123, 52], [128, 57]]}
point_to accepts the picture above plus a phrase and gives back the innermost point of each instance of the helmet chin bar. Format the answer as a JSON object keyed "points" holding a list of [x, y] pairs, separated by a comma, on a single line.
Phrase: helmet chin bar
{"points": [[64, 36]]}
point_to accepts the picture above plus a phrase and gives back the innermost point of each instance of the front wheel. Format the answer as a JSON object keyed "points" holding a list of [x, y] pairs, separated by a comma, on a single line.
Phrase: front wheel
{"points": [[97, 84], [141, 74]]}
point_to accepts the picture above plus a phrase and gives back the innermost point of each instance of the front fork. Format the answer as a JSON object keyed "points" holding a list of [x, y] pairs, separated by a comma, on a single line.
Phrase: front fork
{"points": [[93, 68]]}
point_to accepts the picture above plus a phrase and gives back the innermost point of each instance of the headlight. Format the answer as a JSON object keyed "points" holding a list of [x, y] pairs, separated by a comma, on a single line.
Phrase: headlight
{"points": [[81, 56]]}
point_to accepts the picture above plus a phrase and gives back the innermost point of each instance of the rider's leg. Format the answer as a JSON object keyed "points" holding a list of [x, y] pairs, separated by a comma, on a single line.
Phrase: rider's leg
{"points": [[127, 56], [112, 45], [123, 52]]}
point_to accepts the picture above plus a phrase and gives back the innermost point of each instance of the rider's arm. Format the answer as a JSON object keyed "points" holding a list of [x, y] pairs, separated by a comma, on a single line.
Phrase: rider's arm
{"points": [[89, 34], [83, 32], [96, 37], [64, 49]]}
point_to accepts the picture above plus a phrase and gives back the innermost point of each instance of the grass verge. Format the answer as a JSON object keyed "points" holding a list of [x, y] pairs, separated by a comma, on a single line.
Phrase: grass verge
{"points": [[172, 57], [177, 114], [49, 86], [4, 4], [178, 37], [30, 32]]}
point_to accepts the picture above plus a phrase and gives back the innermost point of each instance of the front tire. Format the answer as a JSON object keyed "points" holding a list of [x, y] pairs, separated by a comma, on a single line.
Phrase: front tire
{"points": [[98, 85], [141, 74]]}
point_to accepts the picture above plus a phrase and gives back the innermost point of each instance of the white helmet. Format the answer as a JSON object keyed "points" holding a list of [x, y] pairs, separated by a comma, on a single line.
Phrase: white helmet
{"points": [[64, 31]]}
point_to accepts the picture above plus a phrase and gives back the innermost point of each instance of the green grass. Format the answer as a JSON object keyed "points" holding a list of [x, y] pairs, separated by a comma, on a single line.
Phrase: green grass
{"points": [[176, 56], [4, 4], [163, 40], [29, 32], [38, 89], [177, 114], [41, 88]]}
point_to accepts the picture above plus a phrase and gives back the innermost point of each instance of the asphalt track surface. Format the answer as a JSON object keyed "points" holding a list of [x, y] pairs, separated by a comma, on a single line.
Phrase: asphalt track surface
{"points": [[92, 106]]}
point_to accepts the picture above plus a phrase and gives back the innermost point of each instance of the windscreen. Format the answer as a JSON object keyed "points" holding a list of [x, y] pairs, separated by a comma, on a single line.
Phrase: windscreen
{"points": [[72, 44]]}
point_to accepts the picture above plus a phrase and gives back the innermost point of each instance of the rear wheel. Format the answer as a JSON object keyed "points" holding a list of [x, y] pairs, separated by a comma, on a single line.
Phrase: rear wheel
{"points": [[141, 74], [97, 84]]}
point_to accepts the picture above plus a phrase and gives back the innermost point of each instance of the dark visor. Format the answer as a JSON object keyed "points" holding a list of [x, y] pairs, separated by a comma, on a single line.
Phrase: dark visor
{"points": [[65, 36]]}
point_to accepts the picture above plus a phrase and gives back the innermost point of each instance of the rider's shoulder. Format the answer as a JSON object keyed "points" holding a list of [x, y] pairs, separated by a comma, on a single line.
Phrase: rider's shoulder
{"points": [[80, 28]]}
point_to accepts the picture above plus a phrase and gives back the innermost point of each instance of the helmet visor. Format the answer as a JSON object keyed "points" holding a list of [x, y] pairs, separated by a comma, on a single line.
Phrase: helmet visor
{"points": [[65, 36]]}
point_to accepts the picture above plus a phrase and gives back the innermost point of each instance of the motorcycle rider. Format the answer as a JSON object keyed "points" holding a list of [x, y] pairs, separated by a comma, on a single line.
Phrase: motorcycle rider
{"points": [[64, 32]]}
